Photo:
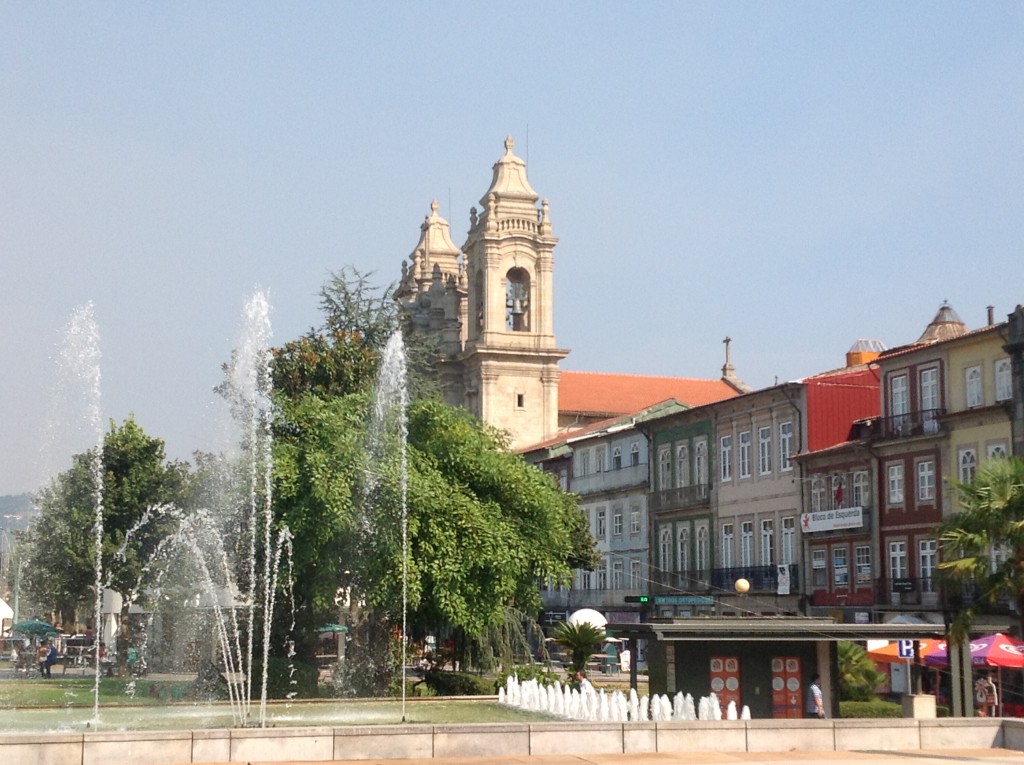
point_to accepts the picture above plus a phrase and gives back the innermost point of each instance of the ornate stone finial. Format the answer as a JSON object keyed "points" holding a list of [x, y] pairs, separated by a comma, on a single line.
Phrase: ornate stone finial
{"points": [[472, 216], [509, 143], [434, 207]]}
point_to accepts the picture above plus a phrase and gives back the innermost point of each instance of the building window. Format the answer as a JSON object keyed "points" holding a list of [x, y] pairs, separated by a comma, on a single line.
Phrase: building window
{"points": [[818, 569], [861, 496], [895, 484], [817, 494], [634, 454], [727, 543], [683, 549], [602, 577], [929, 389], [583, 462], [972, 383], [767, 542], [840, 568], [601, 525], [1004, 380], [599, 455], [665, 468], [747, 543], [634, 575], [725, 458], [927, 562], [617, 523], [862, 559], [968, 465], [617, 458], [785, 446], [703, 551], [899, 399], [617, 575], [585, 580], [683, 465], [665, 549], [787, 553], [838, 490], [745, 454], [996, 451], [925, 481], [897, 560], [634, 521], [700, 464], [764, 450]]}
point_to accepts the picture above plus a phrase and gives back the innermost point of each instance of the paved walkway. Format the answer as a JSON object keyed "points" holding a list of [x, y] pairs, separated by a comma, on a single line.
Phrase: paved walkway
{"points": [[868, 757]]}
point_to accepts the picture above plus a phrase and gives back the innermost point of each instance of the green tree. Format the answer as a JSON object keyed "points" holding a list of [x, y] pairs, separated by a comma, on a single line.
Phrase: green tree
{"points": [[983, 545], [581, 640], [858, 676]]}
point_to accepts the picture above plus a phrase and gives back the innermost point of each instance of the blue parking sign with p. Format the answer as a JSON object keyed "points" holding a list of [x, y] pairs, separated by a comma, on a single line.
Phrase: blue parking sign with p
{"points": [[905, 649]]}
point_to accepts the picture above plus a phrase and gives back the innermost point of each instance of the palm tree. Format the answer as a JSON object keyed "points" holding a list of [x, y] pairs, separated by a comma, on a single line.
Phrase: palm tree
{"points": [[581, 640], [983, 545], [858, 676]]}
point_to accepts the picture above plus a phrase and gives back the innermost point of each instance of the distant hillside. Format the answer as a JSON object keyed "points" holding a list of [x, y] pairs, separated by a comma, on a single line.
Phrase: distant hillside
{"points": [[16, 511]]}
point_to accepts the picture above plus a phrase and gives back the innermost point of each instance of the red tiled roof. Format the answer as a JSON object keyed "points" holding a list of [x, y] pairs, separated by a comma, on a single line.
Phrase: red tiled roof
{"points": [[597, 393]]}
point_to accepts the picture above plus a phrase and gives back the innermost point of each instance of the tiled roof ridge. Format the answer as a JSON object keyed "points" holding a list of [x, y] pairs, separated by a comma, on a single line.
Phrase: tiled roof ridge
{"points": [[641, 377]]}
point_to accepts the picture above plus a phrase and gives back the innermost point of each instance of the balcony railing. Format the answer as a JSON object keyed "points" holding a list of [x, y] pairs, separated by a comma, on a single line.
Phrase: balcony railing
{"points": [[682, 581], [680, 498], [614, 478], [761, 578], [909, 591], [924, 422]]}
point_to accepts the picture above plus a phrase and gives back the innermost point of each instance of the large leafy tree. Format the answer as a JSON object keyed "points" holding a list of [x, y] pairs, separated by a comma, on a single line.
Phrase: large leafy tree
{"points": [[136, 477], [983, 545]]}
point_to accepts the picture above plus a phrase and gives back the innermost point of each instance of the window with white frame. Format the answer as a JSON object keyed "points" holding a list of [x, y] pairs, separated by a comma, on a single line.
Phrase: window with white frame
{"points": [[617, 522], [617, 575], [819, 569], [727, 544], [862, 560], [764, 450], [599, 458], [700, 462], [747, 543], [602, 577], [861, 490], [896, 484], [683, 548], [601, 527], [583, 462], [665, 467], [785, 446], [787, 547], [968, 464], [585, 581], [744, 456], [703, 551], [839, 490], [928, 385], [1004, 380], [634, 520], [897, 559], [767, 541], [683, 465], [634, 454], [617, 458], [817, 494], [634, 575], [997, 450], [899, 398], [840, 567], [725, 458], [925, 481], [972, 387], [927, 562], [665, 549]]}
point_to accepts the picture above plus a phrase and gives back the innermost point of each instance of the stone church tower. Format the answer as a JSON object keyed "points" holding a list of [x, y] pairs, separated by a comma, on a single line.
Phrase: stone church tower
{"points": [[490, 306]]}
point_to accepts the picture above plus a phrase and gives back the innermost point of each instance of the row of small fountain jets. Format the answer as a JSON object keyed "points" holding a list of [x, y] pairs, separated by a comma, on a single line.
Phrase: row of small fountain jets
{"points": [[598, 706]]}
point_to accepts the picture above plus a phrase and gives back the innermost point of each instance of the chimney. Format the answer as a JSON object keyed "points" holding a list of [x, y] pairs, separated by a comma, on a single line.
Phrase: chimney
{"points": [[991, 315]]}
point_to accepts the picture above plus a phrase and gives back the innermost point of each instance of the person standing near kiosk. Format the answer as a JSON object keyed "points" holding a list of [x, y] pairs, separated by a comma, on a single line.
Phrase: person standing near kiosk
{"points": [[815, 709]]}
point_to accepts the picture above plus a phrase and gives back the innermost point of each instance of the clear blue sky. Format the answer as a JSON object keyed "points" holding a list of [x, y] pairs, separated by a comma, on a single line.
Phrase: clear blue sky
{"points": [[794, 175]]}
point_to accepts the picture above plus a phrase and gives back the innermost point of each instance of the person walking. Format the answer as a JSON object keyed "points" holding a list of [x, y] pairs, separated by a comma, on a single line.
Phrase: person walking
{"points": [[815, 709]]}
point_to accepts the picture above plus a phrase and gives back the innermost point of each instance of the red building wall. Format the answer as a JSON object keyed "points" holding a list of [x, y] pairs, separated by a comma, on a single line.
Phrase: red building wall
{"points": [[835, 400]]}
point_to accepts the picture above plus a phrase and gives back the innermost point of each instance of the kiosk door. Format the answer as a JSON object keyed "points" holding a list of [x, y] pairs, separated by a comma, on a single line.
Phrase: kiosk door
{"points": [[787, 687]]}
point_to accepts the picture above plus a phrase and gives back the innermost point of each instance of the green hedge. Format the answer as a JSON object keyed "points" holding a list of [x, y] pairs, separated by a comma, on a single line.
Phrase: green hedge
{"points": [[458, 684], [875, 708]]}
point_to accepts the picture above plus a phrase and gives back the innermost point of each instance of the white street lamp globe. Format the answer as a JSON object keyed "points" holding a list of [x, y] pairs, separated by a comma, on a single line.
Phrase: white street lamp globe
{"points": [[742, 586]]}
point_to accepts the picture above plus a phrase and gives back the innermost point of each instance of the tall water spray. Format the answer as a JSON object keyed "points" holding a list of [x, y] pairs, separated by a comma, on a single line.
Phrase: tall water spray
{"points": [[80, 361], [389, 431]]}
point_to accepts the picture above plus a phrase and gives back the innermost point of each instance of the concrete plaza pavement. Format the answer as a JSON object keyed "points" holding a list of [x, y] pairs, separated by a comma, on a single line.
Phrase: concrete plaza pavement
{"points": [[803, 757]]}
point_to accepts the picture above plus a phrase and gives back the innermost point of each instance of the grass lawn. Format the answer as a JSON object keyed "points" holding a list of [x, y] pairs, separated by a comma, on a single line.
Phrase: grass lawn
{"points": [[78, 691]]}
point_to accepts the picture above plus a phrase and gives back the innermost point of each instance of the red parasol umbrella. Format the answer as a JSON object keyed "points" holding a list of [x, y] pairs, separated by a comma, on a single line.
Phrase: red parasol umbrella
{"points": [[996, 650], [889, 654]]}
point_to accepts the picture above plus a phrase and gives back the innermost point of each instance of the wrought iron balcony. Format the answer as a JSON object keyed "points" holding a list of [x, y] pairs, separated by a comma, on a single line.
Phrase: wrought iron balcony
{"points": [[680, 498], [924, 422], [761, 578]]}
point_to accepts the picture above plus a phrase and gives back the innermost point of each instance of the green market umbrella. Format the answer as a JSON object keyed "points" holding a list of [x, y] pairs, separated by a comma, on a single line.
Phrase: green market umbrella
{"points": [[34, 628]]}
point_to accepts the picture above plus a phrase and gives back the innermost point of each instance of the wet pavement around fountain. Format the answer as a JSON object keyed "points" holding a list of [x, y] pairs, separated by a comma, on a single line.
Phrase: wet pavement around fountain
{"points": [[805, 757]]}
